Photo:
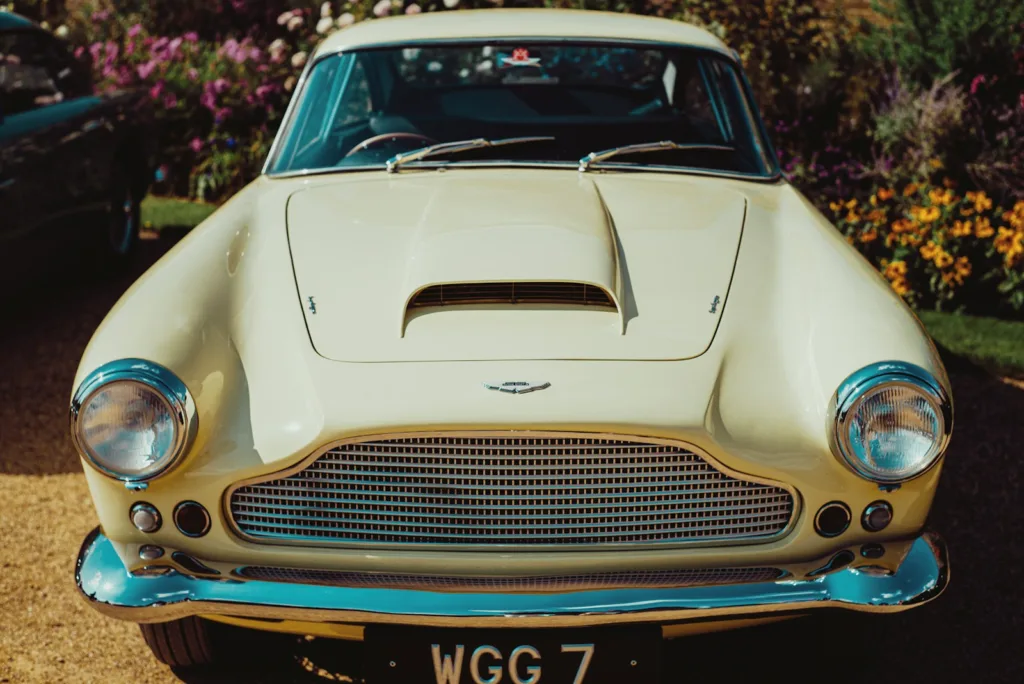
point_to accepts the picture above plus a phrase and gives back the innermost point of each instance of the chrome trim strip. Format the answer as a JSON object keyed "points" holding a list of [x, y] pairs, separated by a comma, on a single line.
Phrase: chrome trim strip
{"points": [[522, 434], [886, 372], [154, 376], [105, 582]]}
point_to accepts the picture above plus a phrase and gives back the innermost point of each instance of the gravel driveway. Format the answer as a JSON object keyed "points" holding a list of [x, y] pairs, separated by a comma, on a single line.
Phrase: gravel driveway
{"points": [[48, 634]]}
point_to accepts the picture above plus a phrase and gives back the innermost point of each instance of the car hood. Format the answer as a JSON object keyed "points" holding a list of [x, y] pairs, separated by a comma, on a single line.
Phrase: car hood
{"points": [[661, 248]]}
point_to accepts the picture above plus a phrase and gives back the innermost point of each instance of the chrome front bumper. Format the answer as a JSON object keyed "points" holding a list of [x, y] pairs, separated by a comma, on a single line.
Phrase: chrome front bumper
{"points": [[111, 588]]}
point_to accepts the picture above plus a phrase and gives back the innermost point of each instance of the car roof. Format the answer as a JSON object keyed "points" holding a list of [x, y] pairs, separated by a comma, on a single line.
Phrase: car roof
{"points": [[518, 23], [10, 20]]}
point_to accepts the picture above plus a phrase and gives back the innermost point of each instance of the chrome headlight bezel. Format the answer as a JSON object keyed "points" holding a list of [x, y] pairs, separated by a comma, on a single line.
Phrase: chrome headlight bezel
{"points": [[856, 387], [168, 388]]}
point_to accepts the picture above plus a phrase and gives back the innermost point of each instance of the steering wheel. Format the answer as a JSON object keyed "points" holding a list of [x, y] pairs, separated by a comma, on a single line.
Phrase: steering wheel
{"points": [[389, 137]]}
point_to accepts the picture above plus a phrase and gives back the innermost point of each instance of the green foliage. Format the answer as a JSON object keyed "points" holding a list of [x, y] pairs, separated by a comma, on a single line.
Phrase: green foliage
{"points": [[928, 39], [994, 344]]}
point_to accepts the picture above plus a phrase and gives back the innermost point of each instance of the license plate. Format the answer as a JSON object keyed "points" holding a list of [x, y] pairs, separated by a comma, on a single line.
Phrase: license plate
{"points": [[600, 655]]}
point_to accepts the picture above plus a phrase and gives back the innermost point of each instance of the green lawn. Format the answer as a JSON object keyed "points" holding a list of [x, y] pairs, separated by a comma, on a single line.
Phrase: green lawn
{"points": [[163, 212], [989, 342]]}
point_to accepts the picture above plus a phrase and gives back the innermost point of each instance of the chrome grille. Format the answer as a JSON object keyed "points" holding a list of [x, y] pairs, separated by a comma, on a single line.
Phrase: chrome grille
{"points": [[554, 583], [454, 294], [509, 490]]}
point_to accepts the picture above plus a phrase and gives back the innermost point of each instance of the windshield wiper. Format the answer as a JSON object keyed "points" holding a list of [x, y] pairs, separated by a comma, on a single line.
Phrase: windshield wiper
{"points": [[458, 146], [597, 157]]}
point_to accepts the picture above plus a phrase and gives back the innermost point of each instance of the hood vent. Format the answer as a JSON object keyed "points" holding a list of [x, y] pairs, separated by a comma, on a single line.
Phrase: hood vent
{"points": [[460, 294]]}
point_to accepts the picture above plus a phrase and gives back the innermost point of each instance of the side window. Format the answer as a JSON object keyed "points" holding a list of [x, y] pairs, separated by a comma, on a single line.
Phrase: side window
{"points": [[26, 81]]}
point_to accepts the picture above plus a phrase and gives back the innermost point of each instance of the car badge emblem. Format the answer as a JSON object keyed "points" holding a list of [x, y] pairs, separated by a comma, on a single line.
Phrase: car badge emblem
{"points": [[517, 386], [520, 58]]}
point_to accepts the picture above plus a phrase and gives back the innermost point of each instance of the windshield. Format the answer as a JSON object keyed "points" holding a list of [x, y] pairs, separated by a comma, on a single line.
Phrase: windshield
{"points": [[358, 109]]}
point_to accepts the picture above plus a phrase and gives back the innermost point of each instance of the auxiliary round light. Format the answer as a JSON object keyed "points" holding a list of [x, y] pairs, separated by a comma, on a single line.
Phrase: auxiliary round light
{"points": [[890, 422], [132, 419]]}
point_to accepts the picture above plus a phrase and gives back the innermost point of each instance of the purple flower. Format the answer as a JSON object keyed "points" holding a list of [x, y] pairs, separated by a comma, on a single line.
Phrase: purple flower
{"points": [[170, 101], [263, 91], [192, 37], [221, 114], [977, 82], [208, 100], [102, 15], [146, 69], [220, 85], [79, 51], [172, 47], [193, 75], [95, 50], [196, 144], [156, 90], [134, 30], [129, 48]]}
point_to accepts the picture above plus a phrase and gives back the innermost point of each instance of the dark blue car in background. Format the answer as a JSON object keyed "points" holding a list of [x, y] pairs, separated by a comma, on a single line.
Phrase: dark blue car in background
{"points": [[74, 163]]}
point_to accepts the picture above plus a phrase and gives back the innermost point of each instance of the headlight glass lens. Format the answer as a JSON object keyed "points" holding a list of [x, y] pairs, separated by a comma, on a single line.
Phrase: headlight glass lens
{"points": [[129, 429], [894, 432]]}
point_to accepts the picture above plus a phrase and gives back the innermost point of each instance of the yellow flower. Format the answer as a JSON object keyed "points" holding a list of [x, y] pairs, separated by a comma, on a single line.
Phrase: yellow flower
{"points": [[961, 229], [900, 286], [940, 197], [851, 204], [1004, 241], [949, 183], [895, 269], [910, 190], [869, 235], [886, 194], [967, 211], [935, 163], [876, 216], [911, 240], [835, 206], [902, 225], [943, 259], [981, 201], [930, 251], [851, 217], [925, 214], [962, 266], [983, 228]]}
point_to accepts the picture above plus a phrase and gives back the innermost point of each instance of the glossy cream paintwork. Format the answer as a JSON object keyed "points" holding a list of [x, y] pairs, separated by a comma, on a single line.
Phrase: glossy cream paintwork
{"points": [[663, 249], [804, 310], [518, 23]]}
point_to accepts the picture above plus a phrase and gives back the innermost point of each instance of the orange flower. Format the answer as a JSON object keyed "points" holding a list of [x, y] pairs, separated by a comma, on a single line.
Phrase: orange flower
{"points": [[895, 269], [885, 194], [1004, 241], [967, 211], [961, 229], [835, 206], [925, 214], [900, 286], [851, 204], [943, 259], [962, 266], [949, 183], [930, 251], [911, 240], [940, 197], [902, 225], [876, 216], [983, 228], [981, 201], [911, 189], [869, 235], [851, 217]]}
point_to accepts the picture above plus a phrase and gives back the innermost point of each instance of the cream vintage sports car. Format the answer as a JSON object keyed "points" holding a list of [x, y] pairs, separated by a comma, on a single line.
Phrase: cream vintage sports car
{"points": [[521, 328]]}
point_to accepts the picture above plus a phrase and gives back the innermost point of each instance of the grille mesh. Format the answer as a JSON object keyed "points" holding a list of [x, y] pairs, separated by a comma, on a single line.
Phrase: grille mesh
{"points": [[556, 583], [454, 294], [510, 491]]}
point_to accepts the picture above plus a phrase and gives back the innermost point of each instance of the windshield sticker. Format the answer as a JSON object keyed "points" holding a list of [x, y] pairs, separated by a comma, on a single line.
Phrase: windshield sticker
{"points": [[520, 58]]}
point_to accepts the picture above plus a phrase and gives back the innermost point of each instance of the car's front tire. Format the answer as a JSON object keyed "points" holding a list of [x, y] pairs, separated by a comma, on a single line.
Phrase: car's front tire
{"points": [[187, 642]]}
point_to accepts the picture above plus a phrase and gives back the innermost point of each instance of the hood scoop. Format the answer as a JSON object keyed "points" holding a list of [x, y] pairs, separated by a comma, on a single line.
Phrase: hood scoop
{"points": [[516, 294]]}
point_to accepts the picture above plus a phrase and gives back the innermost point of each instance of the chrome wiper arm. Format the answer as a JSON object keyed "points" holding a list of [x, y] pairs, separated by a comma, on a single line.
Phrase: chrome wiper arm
{"points": [[639, 148], [458, 146]]}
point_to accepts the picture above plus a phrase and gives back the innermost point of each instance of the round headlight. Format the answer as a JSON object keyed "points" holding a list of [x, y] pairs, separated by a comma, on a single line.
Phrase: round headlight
{"points": [[132, 419], [891, 421]]}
